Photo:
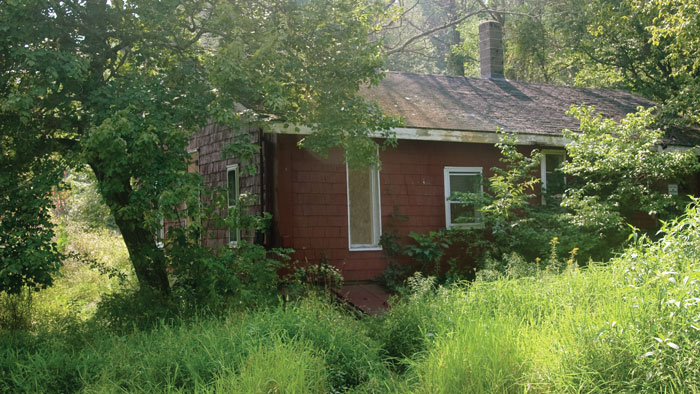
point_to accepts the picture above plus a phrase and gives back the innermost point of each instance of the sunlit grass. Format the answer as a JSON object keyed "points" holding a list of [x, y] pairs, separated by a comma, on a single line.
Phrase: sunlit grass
{"points": [[629, 325], [98, 264]]}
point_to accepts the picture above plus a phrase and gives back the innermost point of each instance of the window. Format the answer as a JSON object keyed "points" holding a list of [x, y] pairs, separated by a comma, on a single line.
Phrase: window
{"points": [[462, 180], [364, 227], [232, 193], [161, 234], [192, 168], [193, 162], [553, 180]]}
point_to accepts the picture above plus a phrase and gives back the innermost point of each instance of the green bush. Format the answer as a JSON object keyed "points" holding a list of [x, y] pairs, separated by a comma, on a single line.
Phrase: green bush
{"points": [[410, 325], [244, 276]]}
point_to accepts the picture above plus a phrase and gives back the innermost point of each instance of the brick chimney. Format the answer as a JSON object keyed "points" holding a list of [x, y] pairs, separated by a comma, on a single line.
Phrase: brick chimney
{"points": [[491, 49]]}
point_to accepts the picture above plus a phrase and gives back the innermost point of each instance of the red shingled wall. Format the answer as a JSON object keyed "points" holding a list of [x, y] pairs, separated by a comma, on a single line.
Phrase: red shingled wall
{"points": [[311, 199], [209, 142]]}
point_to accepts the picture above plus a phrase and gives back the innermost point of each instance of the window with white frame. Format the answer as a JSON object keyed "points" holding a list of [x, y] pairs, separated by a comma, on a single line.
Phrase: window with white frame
{"points": [[161, 234], [461, 214], [192, 168], [553, 180], [364, 216], [232, 193]]}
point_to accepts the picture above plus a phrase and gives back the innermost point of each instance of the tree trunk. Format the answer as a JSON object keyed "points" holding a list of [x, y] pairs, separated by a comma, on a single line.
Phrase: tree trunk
{"points": [[146, 257], [455, 62]]}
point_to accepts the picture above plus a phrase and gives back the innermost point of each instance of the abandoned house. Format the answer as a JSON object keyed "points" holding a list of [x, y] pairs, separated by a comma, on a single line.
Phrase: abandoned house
{"points": [[319, 208]]}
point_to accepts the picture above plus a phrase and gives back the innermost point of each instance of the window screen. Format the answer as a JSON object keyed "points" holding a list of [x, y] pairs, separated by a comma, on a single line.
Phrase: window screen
{"points": [[363, 208], [553, 180]]}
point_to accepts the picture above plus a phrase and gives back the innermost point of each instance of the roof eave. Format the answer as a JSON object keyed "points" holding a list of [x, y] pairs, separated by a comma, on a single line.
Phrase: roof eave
{"points": [[429, 134]]}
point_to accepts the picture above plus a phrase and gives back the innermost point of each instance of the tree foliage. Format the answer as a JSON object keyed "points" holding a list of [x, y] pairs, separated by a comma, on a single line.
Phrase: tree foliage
{"points": [[28, 255], [122, 85], [617, 169], [647, 47]]}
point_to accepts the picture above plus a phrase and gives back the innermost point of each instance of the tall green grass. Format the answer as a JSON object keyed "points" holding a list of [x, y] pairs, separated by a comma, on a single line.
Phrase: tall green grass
{"points": [[308, 344], [629, 326], [280, 367]]}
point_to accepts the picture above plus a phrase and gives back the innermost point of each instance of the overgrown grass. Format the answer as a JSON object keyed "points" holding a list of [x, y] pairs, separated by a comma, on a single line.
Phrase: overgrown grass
{"points": [[98, 265], [630, 325], [331, 345]]}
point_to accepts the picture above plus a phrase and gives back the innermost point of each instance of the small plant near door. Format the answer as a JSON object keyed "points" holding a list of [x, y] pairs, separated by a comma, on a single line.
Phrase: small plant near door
{"points": [[394, 275], [322, 275], [428, 250]]}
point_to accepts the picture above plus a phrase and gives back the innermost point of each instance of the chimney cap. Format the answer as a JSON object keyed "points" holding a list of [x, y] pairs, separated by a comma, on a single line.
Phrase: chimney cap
{"points": [[489, 21]]}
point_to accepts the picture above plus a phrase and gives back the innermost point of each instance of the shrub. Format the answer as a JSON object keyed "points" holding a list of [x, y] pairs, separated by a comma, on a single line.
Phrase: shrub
{"points": [[136, 310], [409, 326], [244, 276]]}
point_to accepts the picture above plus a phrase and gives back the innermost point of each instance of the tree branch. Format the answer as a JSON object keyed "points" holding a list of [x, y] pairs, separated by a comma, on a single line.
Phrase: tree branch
{"points": [[426, 33]]}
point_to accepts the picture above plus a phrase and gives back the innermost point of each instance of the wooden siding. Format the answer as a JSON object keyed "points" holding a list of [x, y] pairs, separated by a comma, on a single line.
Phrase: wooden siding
{"points": [[209, 143], [311, 198]]}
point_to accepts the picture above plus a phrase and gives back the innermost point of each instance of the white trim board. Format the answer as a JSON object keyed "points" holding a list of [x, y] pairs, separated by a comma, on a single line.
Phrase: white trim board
{"points": [[408, 133], [234, 168], [476, 137]]}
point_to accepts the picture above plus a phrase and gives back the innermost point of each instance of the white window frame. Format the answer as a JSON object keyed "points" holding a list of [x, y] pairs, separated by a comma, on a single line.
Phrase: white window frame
{"points": [[229, 168], [190, 152], [160, 240], [543, 167], [479, 171], [376, 197]]}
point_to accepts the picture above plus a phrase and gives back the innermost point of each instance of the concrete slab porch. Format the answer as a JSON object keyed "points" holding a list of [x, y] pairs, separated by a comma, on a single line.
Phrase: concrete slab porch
{"points": [[368, 297]]}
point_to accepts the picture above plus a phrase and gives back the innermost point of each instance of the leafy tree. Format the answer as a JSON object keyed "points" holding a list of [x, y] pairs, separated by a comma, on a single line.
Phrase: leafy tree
{"points": [[616, 170], [442, 37], [426, 36], [121, 85], [513, 185], [647, 47], [28, 255], [676, 25]]}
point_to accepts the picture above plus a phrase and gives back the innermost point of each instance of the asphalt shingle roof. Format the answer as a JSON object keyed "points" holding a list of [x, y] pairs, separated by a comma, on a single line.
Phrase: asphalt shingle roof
{"points": [[478, 104]]}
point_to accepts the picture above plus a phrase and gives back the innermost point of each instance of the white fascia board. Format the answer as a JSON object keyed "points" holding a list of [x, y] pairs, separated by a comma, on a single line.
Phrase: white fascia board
{"points": [[408, 133], [678, 148]]}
